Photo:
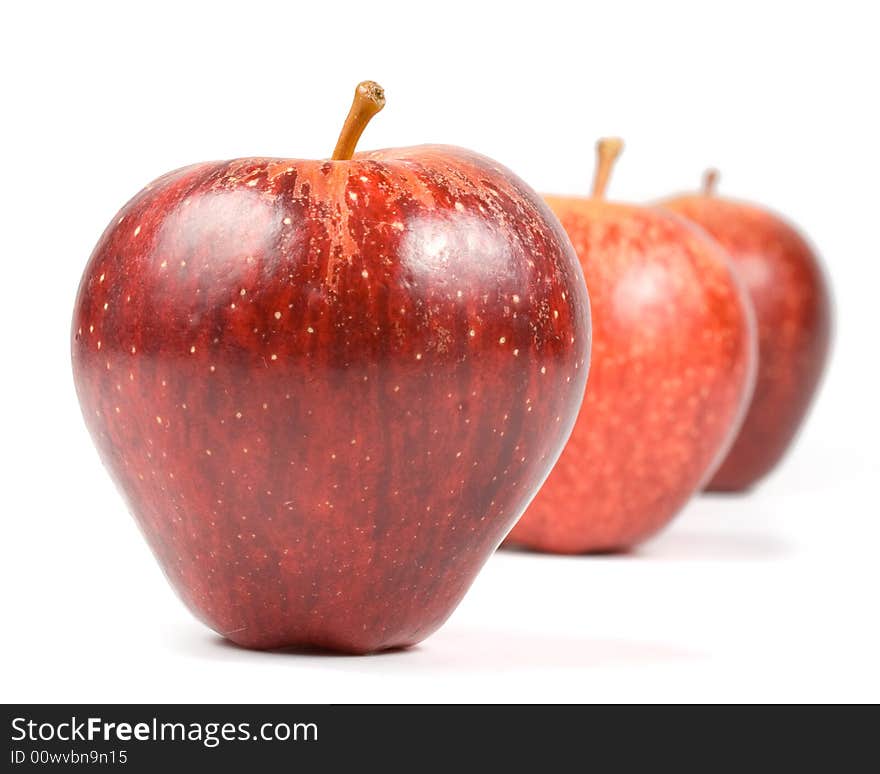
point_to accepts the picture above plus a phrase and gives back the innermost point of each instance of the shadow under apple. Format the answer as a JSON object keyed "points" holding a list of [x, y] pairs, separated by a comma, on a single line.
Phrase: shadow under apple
{"points": [[711, 546], [458, 650], [678, 544]]}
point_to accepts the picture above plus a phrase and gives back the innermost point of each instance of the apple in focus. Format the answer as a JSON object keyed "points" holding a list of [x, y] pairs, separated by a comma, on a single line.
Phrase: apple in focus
{"points": [[327, 389]]}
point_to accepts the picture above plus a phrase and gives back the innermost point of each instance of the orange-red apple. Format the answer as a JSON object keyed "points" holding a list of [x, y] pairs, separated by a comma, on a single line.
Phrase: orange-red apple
{"points": [[672, 369]]}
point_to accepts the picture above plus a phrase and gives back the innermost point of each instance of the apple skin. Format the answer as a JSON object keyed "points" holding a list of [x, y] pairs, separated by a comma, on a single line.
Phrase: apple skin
{"points": [[672, 368], [327, 389], [792, 304]]}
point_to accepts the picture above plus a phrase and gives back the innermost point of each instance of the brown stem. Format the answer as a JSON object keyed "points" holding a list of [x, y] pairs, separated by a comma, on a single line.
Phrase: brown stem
{"points": [[607, 150], [710, 181], [369, 99]]}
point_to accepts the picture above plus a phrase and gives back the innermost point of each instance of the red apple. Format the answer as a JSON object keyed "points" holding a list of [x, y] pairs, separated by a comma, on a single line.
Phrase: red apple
{"points": [[793, 309], [327, 389], [672, 368]]}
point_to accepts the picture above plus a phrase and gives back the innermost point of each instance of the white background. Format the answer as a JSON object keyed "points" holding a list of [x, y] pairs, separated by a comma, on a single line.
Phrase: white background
{"points": [[772, 596]]}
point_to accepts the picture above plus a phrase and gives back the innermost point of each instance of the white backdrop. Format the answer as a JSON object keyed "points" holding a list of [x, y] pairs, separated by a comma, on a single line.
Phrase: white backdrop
{"points": [[770, 596]]}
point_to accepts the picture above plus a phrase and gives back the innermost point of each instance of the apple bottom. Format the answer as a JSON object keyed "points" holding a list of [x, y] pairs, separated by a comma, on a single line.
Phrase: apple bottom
{"points": [[356, 623], [343, 633]]}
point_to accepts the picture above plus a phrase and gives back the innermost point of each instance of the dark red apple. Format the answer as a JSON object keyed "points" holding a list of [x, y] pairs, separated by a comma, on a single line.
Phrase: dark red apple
{"points": [[672, 368], [792, 304], [327, 389]]}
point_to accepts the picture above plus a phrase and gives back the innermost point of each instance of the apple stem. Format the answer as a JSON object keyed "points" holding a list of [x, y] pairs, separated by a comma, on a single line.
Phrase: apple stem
{"points": [[607, 150], [710, 181], [369, 99]]}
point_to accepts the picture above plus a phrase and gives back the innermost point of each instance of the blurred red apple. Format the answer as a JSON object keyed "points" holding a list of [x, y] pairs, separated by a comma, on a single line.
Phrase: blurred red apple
{"points": [[672, 369], [793, 310], [327, 389]]}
